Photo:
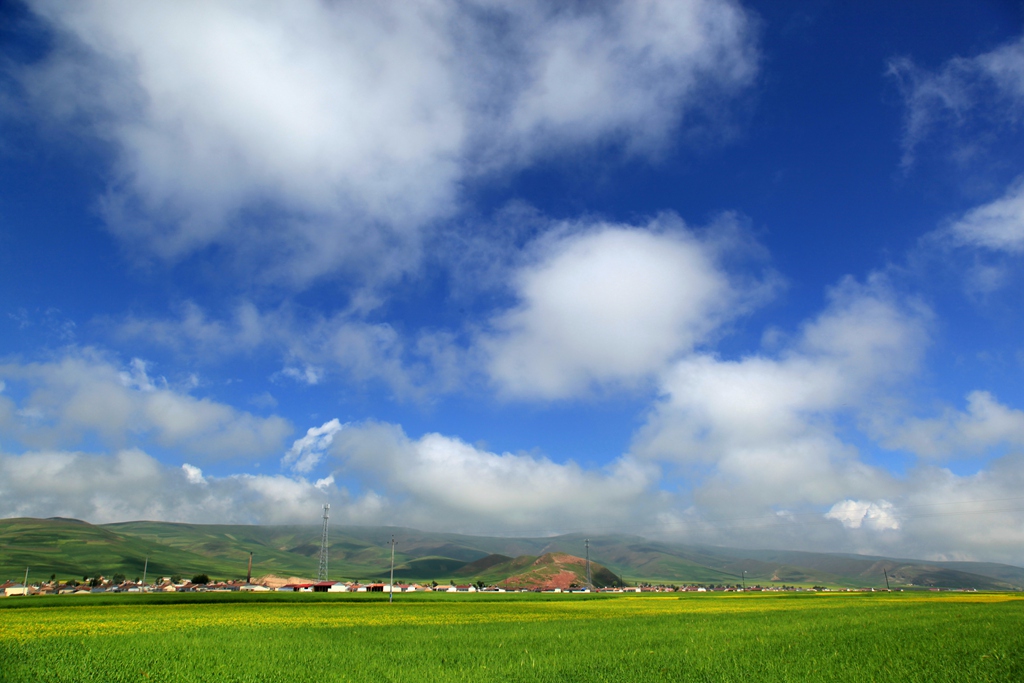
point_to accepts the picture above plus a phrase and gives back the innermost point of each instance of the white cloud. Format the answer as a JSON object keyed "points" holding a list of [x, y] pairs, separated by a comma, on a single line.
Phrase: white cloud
{"points": [[1005, 66], [985, 425], [306, 452], [448, 483], [989, 87], [136, 377], [356, 123], [193, 474], [765, 432], [83, 394], [932, 514], [311, 345], [998, 225], [434, 482], [955, 517], [609, 305], [307, 375], [131, 485], [854, 514], [714, 409], [972, 107], [192, 330]]}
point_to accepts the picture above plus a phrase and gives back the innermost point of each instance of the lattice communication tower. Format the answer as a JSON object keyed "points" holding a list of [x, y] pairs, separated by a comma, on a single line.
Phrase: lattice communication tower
{"points": [[321, 574]]}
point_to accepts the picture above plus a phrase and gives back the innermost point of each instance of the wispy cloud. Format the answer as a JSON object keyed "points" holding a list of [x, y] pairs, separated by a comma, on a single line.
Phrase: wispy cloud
{"points": [[996, 226], [985, 425], [355, 124], [306, 452], [84, 395], [952, 99]]}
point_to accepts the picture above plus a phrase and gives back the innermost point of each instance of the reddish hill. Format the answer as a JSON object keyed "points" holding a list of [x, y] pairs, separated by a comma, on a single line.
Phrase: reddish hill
{"points": [[560, 570]]}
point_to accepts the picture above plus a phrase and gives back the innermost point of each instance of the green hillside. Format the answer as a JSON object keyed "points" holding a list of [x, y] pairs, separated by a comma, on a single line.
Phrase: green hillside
{"points": [[285, 550], [483, 565], [73, 549]]}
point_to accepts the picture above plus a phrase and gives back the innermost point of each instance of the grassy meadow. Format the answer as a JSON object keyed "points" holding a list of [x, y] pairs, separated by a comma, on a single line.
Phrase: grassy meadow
{"points": [[690, 637]]}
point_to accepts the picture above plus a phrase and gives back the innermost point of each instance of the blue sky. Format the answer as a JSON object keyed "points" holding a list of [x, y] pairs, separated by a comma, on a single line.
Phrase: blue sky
{"points": [[733, 273]]}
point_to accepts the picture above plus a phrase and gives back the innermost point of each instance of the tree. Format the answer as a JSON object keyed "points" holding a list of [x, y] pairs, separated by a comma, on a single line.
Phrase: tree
{"points": [[176, 578], [119, 578], [201, 579]]}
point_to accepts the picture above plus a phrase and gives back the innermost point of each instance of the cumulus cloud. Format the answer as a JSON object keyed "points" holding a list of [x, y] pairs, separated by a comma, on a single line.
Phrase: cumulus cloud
{"points": [[765, 434], [854, 514], [609, 305], [985, 424], [193, 474], [450, 484], [129, 485], [774, 448], [306, 452], [84, 395], [748, 413], [354, 124], [963, 517], [434, 482]]}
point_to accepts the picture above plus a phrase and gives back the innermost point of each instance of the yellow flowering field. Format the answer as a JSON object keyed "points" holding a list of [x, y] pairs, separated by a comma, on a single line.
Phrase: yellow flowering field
{"points": [[669, 636]]}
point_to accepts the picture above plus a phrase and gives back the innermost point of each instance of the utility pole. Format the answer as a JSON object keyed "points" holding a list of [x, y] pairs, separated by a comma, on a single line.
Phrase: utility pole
{"points": [[248, 575], [26, 581], [391, 585], [586, 544], [145, 568], [744, 579], [886, 579]]}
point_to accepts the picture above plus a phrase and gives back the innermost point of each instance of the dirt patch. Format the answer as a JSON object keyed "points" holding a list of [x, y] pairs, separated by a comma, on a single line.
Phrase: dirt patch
{"points": [[563, 579], [274, 581]]}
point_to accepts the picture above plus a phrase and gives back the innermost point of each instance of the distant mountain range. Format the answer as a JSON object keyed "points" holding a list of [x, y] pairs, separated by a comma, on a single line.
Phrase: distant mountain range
{"points": [[75, 549]]}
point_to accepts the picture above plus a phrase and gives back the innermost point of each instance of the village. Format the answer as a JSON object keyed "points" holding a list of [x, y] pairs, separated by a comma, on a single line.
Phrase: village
{"points": [[202, 584]]}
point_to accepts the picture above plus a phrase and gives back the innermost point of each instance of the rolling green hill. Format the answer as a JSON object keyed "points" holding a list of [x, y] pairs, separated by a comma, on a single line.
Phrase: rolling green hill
{"points": [[74, 549]]}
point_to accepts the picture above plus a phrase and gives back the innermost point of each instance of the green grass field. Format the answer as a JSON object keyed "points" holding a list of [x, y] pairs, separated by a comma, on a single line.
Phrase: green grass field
{"points": [[853, 637]]}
